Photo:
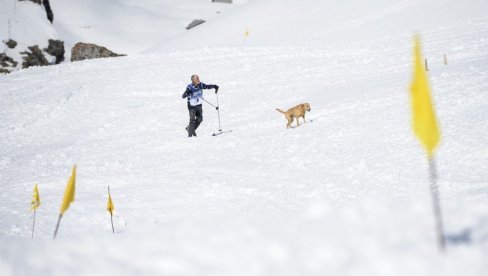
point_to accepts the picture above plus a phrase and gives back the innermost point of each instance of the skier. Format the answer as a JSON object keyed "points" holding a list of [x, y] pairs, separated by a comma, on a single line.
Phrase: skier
{"points": [[194, 94]]}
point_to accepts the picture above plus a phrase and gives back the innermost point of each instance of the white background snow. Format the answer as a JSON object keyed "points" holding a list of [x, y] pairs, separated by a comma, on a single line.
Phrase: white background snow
{"points": [[347, 193]]}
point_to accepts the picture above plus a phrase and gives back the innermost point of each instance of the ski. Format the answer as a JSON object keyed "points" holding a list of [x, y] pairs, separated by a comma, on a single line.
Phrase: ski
{"points": [[221, 132]]}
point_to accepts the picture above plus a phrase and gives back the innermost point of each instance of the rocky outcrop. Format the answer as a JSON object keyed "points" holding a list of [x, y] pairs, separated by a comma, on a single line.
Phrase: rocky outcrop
{"points": [[11, 43], [46, 52], [49, 11], [82, 51], [34, 58], [6, 63], [35, 1], [56, 49]]}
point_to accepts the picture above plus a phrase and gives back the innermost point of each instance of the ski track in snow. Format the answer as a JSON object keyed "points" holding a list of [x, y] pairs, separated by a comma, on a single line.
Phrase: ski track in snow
{"points": [[345, 192]]}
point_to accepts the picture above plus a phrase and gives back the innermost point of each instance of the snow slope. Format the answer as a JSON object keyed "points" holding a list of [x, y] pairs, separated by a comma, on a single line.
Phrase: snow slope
{"points": [[318, 23], [124, 26], [130, 26], [344, 194]]}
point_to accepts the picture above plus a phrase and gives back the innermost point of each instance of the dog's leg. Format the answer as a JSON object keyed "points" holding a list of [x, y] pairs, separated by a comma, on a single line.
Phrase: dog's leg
{"points": [[298, 120], [290, 120]]}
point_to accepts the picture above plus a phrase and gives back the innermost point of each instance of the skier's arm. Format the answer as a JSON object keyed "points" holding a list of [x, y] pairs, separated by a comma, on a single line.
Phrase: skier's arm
{"points": [[210, 86], [186, 94]]}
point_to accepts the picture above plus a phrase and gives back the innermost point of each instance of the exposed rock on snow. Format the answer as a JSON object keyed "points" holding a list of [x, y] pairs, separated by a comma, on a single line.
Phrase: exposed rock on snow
{"points": [[35, 1], [6, 61], [82, 51], [47, 7], [11, 43], [195, 23], [49, 11], [34, 58], [56, 48]]}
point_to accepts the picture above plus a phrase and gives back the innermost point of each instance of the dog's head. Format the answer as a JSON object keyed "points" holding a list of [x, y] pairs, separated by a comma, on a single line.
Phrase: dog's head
{"points": [[306, 107]]}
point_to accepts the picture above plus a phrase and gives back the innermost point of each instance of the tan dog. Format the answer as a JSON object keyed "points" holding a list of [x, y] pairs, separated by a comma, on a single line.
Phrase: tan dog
{"points": [[295, 112]]}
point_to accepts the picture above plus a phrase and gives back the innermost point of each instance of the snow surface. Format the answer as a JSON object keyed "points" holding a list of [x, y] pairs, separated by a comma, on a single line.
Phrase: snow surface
{"points": [[130, 26], [347, 193], [124, 26]]}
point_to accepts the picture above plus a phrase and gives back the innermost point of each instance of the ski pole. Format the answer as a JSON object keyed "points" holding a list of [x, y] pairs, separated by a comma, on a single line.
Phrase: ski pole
{"points": [[216, 107], [218, 111]]}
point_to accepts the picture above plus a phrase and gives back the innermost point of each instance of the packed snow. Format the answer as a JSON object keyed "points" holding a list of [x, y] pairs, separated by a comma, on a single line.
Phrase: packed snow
{"points": [[346, 193]]}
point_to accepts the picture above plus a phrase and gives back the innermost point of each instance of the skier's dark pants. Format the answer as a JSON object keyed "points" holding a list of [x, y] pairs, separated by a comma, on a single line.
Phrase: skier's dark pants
{"points": [[196, 117]]}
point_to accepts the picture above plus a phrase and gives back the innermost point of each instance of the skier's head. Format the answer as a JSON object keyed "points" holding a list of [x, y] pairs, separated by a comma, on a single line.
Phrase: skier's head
{"points": [[195, 79]]}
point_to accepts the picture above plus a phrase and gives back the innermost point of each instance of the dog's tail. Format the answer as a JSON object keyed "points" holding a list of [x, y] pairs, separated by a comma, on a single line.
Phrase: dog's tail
{"points": [[279, 110]]}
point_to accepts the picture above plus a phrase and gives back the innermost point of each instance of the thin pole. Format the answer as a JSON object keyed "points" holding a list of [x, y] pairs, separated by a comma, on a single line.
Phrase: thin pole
{"points": [[426, 65], [218, 110], [57, 226], [434, 189], [210, 103], [33, 224], [111, 219]]}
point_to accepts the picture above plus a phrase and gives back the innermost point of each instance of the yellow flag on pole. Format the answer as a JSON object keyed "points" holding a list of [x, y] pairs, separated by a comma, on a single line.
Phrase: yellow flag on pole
{"points": [[110, 204], [423, 115], [36, 201], [110, 208], [246, 33], [69, 193]]}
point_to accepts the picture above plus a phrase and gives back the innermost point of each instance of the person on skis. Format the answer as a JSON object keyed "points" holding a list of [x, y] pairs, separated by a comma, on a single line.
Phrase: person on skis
{"points": [[194, 94]]}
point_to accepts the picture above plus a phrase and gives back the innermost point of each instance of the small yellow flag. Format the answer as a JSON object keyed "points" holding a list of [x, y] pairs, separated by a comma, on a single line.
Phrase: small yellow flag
{"points": [[246, 33], [69, 193], [423, 115], [110, 204], [36, 201]]}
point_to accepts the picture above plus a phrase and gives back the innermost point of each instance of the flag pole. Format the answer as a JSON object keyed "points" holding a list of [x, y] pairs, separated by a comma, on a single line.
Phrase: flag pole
{"points": [[69, 196], [111, 220], [434, 189], [35, 203], [33, 224], [246, 33], [57, 226], [111, 215]]}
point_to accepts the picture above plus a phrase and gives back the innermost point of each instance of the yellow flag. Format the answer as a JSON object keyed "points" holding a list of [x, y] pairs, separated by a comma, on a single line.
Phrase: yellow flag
{"points": [[110, 204], [69, 193], [246, 33], [423, 115], [36, 201]]}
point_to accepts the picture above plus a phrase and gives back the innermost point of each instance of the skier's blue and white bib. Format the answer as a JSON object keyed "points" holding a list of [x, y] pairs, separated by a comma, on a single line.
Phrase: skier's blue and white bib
{"points": [[196, 97]]}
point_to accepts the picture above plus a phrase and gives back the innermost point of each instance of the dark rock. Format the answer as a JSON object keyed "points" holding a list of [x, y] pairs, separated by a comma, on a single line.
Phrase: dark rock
{"points": [[4, 71], [49, 11], [47, 7], [11, 43], [82, 51], [56, 48], [34, 58], [35, 1], [195, 23], [6, 61]]}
